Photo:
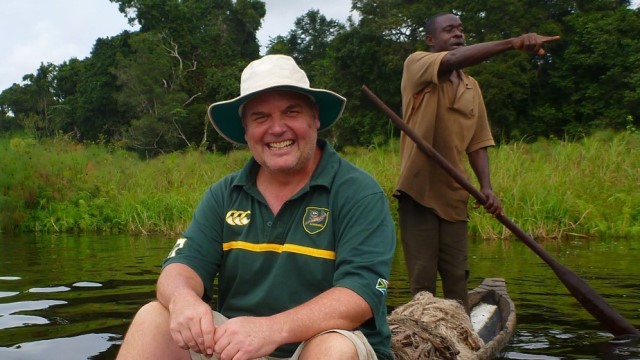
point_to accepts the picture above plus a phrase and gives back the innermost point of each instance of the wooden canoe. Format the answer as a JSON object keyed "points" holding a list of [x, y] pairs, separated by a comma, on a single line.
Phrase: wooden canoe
{"points": [[495, 323], [430, 328]]}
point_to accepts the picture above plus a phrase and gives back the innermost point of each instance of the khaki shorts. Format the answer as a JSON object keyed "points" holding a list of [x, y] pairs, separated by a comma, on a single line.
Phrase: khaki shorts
{"points": [[364, 349]]}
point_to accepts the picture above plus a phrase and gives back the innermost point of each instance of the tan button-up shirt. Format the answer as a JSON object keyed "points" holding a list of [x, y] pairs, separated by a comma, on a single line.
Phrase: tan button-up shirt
{"points": [[453, 120]]}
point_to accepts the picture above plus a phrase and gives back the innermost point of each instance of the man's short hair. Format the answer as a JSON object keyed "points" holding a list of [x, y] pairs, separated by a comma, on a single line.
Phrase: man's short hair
{"points": [[430, 25]]}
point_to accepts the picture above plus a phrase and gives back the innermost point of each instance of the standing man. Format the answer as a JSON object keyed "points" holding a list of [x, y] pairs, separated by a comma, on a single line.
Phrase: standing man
{"points": [[445, 107], [300, 241]]}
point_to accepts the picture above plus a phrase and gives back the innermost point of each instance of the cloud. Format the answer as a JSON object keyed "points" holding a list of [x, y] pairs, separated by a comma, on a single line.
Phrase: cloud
{"points": [[54, 31], [47, 31]]}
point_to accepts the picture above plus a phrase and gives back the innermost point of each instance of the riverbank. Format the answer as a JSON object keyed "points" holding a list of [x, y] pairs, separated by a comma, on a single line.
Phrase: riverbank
{"points": [[551, 188]]}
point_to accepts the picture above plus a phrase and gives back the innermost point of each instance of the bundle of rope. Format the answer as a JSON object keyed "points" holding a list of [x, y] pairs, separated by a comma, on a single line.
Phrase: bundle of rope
{"points": [[432, 328]]}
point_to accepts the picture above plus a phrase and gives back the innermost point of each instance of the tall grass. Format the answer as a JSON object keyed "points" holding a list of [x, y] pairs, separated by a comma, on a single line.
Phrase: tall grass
{"points": [[556, 188], [58, 186], [551, 189]]}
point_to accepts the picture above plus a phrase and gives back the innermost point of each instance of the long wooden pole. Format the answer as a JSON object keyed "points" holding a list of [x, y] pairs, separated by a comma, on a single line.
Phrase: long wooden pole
{"points": [[590, 300]]}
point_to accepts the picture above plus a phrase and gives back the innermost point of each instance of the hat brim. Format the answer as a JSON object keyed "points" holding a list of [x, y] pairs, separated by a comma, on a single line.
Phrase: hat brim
{"points": [[225, 117]]}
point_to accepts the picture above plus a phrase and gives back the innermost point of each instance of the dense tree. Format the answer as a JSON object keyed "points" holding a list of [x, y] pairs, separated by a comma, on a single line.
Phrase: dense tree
{"points": [[152, 91], [89, 89], [309, 39], [31, 101], [596, 80], [509, 80], [149, 90], [370, 53], [181, 65]]}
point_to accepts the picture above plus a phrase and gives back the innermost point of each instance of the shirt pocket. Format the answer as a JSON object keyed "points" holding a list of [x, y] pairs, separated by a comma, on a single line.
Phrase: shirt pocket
{"points": [[418, 99], [465, 101]]}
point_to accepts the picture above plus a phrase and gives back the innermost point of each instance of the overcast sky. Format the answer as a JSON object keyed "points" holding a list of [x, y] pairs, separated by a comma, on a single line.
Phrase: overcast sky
{"points": [[52, 31]]}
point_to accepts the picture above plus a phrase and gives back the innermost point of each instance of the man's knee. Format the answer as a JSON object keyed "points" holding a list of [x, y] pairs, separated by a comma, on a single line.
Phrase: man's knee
{"points": [[151, 316], [152, 310], [148, 336], [331, 345]]}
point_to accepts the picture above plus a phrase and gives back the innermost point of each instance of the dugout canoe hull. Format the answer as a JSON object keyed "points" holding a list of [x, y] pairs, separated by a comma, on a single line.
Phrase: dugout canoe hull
{"points": [[431, 328], [498, 331]]}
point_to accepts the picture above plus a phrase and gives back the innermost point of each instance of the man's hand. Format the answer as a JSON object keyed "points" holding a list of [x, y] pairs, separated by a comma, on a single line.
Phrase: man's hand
{"points": [[191, 325], [243, 338], [493, 205], [532, 42]]}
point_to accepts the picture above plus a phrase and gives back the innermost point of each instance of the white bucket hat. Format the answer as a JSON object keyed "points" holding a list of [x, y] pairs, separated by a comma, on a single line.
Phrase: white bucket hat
{"points": [[268, 73]]}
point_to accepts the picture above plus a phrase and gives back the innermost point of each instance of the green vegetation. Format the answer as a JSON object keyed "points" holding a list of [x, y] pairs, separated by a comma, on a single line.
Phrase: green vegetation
{"points": [[551, 188], [145, 94], [55, 185], [554, 188]]}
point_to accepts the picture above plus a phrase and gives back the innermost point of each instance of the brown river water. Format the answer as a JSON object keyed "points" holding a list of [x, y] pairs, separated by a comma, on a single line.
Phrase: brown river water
{"points": [[72, 297]]}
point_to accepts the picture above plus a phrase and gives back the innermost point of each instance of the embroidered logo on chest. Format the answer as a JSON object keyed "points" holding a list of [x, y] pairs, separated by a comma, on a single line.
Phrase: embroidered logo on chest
{"points": [[315, 219], [238, 217]]}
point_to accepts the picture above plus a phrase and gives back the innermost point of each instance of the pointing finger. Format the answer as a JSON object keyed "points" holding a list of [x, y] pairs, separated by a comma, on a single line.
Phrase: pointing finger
{"points": [[550, 38]]}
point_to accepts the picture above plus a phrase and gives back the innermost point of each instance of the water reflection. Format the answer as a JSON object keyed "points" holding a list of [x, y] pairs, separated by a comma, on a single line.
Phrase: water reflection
{"points": [[50, 289], [9, 318], [8, 293], [87, 284], [80, 347], [72, 297], [10, 308]]}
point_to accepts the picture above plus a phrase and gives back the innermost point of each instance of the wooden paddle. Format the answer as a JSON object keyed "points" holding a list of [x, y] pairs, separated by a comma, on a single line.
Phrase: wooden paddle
{"points": [[590, 300]]}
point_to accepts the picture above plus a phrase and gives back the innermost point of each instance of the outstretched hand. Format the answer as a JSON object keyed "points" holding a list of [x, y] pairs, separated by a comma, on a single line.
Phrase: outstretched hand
{"points": [[533, 42]]}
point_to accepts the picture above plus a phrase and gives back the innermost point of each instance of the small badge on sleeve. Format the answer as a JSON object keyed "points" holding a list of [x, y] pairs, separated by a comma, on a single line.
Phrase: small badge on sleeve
{"points": [[179, 245], [382, 285]]}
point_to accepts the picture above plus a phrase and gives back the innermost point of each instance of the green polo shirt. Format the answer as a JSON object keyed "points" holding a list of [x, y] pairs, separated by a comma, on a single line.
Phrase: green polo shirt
{"points": [[336, 231]]}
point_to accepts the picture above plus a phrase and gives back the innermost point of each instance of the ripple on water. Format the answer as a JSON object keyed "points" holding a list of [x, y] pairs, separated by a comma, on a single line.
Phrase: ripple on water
{"points": [[86, 284], [4, 294], [520, 356], [9, 318], [79, 347], [13, 321], [10, 278], [14, 307], [52, 289]]}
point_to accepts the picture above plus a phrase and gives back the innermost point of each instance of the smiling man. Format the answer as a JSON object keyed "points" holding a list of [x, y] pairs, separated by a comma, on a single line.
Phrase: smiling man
{"points": [[300, 241], [445, 107]]}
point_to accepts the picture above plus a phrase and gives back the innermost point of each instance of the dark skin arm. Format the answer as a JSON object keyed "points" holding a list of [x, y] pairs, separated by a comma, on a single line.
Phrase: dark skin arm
{"points": [[466, 56], [479, 161]]}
